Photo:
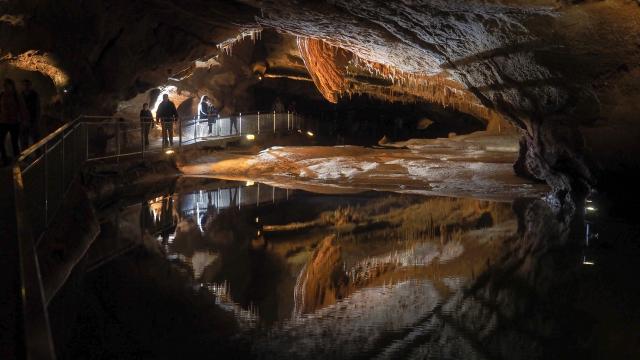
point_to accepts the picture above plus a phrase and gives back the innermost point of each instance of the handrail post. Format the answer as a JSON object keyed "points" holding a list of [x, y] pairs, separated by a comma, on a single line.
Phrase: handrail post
{"points": [[63, 163], [118, 142], [258, 131], [86, 138], [274, 121], [180, 133], [46, 184], [240, 131], [142, 126], [288, 121]]}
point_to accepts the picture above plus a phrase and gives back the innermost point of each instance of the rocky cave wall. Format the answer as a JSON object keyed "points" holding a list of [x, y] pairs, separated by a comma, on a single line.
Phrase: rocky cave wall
{"points": [[566, 74]]}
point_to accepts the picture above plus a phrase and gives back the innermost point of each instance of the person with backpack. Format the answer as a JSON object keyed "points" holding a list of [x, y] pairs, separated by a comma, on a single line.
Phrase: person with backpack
{"points": [[167, 114]]}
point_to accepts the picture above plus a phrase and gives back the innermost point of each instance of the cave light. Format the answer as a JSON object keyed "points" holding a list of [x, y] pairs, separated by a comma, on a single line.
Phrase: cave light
{"points": [[310, 133], [251, 137], [169, 151], [590, 208], [250, 183], [257, 219]]}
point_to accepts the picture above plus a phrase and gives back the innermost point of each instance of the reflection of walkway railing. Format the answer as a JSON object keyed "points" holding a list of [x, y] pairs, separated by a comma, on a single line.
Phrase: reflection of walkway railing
{"points": [[43, 175], [198, 204], [231, 197]]}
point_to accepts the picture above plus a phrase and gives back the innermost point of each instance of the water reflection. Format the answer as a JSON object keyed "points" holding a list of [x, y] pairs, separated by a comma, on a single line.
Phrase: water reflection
{"points": [[380, 275]]}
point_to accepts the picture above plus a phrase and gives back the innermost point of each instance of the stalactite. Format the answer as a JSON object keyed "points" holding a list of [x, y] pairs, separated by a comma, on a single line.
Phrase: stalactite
{"points": [[329, 67], [227, 45], [322, 62]]}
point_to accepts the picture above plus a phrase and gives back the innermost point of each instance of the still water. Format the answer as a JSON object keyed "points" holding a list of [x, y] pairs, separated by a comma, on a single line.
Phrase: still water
{"points": [[220, 269]]}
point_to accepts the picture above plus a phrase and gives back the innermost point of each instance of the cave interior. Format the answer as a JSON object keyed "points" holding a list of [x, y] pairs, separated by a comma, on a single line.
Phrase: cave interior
{"points": [[496, 100]]}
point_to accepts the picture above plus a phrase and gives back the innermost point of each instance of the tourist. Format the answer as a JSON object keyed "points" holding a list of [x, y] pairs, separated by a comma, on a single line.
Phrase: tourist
{"points": [[233, 119], [208, 112], [213, 116], [292, 107], [146, 120], [31, 128], [203, 108], [167, 114], [278, 106], [13, 112]]}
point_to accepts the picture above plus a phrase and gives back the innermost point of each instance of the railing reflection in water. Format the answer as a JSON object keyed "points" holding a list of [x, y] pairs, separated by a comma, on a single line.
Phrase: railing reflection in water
{"points": [[159, 220], [166, 211], [44, 173]]}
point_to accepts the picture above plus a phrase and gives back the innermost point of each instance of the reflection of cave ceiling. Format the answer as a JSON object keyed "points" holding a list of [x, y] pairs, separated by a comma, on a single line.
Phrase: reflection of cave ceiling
{"points": [[566, 73]]}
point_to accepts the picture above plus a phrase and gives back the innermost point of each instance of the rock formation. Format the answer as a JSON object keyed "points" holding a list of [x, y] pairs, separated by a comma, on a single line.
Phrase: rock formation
{"points": [[565, 73]]}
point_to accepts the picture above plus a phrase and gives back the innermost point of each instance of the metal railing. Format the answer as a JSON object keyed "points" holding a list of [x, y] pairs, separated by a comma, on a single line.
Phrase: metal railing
{"points": [[109, 138], [44, 173], [49, 167]]}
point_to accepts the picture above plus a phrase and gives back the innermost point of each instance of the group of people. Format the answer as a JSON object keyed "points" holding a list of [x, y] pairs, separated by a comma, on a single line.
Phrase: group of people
{"points": [[166, 115], [19, 117]]}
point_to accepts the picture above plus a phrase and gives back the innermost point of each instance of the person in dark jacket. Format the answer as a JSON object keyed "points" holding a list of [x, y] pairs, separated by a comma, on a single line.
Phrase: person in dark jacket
{"points": [[167, 114], [233, 119], [213, 116], [31, 128], [206, 112], [13, 112], [146, 120]]}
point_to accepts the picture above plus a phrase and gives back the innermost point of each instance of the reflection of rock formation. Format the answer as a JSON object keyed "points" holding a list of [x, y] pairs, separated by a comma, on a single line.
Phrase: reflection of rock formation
{"points": [[537, 300], [322, 281], [460, 235], [486, 311]]}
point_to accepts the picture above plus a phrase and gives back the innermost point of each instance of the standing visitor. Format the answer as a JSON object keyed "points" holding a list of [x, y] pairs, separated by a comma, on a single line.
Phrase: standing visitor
{"points": [[206, 111], [233, 119], [32, 128], [212, 117], [292, 107], [146, 120], [167, 114], [13, 112], [278, 106], [203, 111]]}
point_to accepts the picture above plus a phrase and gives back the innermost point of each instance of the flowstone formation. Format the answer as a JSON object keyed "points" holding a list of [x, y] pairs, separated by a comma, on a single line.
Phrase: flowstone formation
{"points": [[566, 74]]}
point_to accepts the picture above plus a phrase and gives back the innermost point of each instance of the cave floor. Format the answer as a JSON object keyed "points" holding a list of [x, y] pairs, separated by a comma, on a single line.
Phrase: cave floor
{"points": [[478, 165]]}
